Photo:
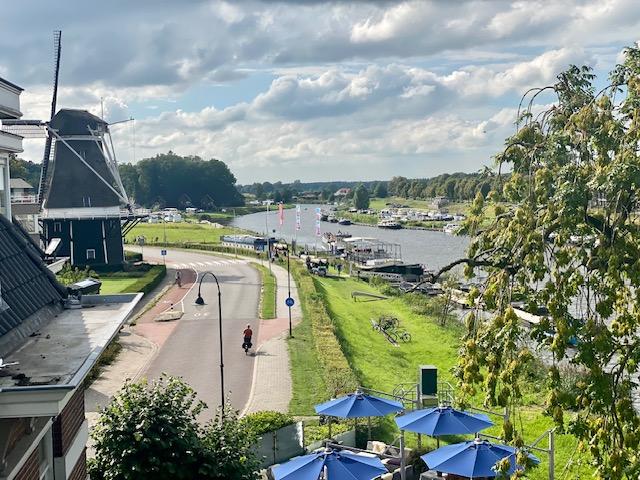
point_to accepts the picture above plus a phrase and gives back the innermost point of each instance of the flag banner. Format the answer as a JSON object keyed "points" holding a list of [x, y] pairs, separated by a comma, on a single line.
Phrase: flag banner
{"points": [[281, 213], [317, 228], [298, 222]]}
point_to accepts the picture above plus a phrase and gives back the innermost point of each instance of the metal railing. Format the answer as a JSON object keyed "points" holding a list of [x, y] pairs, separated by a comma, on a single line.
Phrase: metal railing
{"points": [[24, 199]]}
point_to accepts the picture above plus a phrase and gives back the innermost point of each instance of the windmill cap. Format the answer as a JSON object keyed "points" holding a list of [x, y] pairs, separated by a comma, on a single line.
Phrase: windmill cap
{"points": [[76, 122]]}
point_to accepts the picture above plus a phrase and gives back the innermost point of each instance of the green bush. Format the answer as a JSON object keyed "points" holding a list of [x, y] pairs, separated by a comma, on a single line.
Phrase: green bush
{"points": [[70, 275], [151, 431], [316, 433], [150, 280], [260, 423], [339, 377]]}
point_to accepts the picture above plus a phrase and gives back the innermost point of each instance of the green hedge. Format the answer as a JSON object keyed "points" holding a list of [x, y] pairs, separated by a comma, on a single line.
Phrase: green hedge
{"points": [[267, 421], [339, 377], [132, 256], [149, 280]]}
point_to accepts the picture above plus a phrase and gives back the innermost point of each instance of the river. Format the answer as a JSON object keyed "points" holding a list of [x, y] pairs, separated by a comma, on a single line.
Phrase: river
{"points": [[430, 248]]}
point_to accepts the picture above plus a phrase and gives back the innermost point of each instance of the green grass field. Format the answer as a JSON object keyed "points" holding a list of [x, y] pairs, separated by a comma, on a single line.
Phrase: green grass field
{"points": [[179, 232], [268, 292], [116, 285], [382, 366]]}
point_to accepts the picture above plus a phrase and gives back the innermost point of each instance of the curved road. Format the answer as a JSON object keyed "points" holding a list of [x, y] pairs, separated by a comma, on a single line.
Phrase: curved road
{"points": [[192, 350]]}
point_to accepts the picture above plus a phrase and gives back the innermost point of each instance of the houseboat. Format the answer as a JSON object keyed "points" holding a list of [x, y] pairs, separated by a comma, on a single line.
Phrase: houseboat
{"points": [[389, 224]]}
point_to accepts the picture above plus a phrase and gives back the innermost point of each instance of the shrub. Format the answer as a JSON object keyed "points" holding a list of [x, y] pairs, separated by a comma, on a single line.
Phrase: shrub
{"points": [[151, 431], [267, 421], [70, 275], [315, 433]]}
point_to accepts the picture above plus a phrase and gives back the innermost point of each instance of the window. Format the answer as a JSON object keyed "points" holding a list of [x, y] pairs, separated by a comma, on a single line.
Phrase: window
{"points": [[45, 458], [91, 254], [57, 227]]}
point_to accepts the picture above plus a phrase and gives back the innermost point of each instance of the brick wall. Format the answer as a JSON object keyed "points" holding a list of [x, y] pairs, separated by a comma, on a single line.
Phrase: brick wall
{"points": [[79, 471], [31, 469], [67, 424]]}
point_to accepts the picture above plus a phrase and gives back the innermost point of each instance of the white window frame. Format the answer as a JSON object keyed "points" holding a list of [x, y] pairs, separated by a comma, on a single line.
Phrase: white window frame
{"points": [[57, 227], [93, 257]]}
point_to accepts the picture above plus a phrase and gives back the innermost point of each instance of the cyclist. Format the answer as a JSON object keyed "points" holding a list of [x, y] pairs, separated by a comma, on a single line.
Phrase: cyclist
{"points": [[247, 334]]}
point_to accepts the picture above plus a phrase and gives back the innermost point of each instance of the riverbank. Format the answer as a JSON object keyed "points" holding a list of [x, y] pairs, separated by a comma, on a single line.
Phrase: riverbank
{"points": [[379, 365]]}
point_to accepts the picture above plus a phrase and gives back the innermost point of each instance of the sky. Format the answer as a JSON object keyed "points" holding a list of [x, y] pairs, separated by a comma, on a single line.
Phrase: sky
{"points": [[308, 89]]}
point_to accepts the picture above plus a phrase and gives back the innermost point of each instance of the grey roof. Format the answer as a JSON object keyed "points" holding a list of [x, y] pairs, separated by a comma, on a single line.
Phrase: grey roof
{"points": [[75, 122], [27, 285], [19, 183]]}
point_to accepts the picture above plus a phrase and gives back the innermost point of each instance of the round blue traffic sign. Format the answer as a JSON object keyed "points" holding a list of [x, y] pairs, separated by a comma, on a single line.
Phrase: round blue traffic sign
{"points": [[289, 302]]}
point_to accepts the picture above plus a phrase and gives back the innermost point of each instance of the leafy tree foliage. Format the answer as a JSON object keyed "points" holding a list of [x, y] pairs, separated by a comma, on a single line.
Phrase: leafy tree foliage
{"points": [[457, 186], [151, 431], [569, 241], [177, 180], [361, 197], [381, 190], [26, 170]]}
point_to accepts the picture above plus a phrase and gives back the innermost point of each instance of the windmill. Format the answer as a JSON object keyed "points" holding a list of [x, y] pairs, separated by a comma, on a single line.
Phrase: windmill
{"points": [[81, 193]]}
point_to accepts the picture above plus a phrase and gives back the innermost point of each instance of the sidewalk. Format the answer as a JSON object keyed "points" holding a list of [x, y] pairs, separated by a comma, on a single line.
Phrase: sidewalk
{"points": [[272, 388], [139, 343]]}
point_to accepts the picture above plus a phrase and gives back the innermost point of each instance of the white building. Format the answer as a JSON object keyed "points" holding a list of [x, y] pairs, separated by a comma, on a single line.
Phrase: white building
{"points": [[9, 143]]}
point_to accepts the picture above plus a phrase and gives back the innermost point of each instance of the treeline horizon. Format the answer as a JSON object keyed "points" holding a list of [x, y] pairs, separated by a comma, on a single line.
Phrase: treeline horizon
{"points": [[170, 179], [456, 186]]}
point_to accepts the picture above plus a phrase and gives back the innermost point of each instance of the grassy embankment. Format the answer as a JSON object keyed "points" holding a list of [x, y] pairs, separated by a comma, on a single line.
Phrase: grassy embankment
{"points": [[268, 292], [377, 364], [319, 368]]}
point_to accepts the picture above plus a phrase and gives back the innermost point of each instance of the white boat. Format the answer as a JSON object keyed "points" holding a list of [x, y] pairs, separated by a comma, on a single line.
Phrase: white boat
{"points": [[451, 228], [389, 224]]}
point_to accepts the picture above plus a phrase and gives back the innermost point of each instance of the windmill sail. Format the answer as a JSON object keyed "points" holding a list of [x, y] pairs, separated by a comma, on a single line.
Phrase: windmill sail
{"points": [[48, 154]]}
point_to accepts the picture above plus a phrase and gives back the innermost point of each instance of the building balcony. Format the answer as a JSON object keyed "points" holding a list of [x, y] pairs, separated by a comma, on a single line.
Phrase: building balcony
{"points": [[23, 199], [10, 142]]}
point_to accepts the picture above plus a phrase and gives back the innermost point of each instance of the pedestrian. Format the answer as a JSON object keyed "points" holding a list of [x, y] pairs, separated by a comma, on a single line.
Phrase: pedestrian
{"points": [[178, 278]]}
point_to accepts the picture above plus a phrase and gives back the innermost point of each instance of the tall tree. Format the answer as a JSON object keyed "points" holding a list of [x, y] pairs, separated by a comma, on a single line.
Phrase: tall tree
{"points": [[361, 197], [171, 176], [570, 241]]}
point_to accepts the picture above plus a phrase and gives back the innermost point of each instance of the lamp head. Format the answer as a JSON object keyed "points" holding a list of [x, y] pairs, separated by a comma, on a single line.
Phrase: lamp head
{"points": [[199, 300]]}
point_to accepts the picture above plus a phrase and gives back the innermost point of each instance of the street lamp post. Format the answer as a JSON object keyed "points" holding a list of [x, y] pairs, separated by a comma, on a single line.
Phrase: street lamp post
{"points": [[289, 289], [200, 301]]}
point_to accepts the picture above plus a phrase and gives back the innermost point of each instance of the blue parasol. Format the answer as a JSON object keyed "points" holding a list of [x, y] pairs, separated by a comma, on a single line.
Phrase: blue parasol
{"points": [[337, 465], [472, 459], [443, 421]]}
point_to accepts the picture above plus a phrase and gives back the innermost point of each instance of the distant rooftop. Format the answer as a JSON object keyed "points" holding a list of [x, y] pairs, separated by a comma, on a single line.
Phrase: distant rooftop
{"points": [[19, 183]]}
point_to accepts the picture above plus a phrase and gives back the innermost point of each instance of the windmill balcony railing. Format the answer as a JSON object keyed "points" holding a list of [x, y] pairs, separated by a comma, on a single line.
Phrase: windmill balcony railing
{"points": [[24, 199]]}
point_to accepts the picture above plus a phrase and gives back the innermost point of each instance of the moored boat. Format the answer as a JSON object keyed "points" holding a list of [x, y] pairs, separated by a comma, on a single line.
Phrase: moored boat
{"points": [[344, 221], [389, 224]]}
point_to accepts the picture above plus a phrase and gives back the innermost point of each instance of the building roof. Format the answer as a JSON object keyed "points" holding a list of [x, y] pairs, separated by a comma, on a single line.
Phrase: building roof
{"points": [[26, 284], [9, 84], [19, 183]]}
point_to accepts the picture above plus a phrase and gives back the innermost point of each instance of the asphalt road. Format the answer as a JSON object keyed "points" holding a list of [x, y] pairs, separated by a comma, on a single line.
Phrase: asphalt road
{"points": [[192, 351]]}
